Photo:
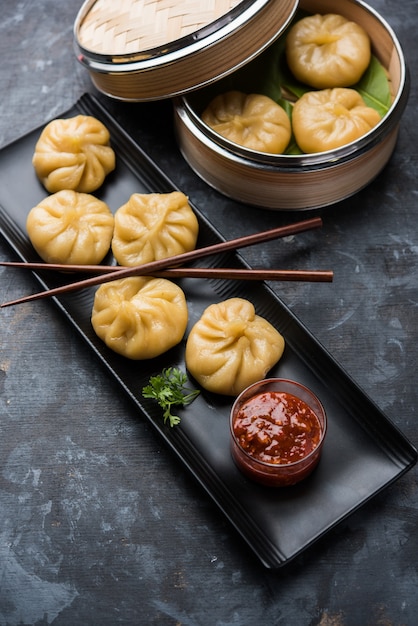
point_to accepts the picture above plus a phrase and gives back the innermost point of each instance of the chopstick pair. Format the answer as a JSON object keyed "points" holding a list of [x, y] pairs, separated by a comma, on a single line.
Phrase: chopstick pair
{"points": [[169, 267]]}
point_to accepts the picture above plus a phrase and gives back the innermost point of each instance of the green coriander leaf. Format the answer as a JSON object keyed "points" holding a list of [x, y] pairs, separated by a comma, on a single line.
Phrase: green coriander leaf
{"points": [[169, 389]]}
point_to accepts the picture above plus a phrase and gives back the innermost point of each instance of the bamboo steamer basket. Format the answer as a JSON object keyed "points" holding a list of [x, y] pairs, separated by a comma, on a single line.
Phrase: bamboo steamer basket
{"points": [[293, 182], [144, 50], [141, 50]]}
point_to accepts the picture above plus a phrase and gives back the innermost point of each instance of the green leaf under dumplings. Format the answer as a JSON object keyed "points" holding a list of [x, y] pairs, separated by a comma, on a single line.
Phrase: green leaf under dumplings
{"points": [[374, 87]]}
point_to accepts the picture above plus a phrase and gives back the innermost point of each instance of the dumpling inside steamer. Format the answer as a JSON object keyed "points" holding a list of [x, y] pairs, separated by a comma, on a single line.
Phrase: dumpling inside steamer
{"points": [[254, 121], [331, 118], [326, 51], [73, 153], [140, 317], [71, 227], [153, 226], [231, 347]]}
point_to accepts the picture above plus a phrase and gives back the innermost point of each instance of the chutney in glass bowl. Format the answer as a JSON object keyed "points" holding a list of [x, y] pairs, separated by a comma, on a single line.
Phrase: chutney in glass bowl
{"points": [[277, 428]]}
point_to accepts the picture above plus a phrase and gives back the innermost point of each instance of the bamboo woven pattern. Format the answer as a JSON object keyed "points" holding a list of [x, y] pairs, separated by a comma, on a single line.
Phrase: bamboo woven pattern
{"points": [[132, 26]]}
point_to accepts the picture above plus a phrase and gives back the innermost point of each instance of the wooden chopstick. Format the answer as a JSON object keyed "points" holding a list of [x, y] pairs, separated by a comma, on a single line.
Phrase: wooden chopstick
{"points": [[174, 261], [191, 272]]}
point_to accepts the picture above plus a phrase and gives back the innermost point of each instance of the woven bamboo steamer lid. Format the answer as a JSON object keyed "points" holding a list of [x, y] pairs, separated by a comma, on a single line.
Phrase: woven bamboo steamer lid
{"points": [[140, 50]]}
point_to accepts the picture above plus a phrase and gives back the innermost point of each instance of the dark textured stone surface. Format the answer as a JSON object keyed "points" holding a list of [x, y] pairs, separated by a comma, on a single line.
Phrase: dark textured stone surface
{"points": [[99, 523]]}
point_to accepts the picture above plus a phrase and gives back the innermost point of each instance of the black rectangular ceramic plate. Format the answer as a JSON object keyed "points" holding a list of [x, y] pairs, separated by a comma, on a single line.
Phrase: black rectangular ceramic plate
{"points": [[364, 451]]}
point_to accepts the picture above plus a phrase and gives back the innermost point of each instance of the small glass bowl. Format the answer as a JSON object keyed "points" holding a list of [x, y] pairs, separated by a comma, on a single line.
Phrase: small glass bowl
{"points": [[281, 470]]}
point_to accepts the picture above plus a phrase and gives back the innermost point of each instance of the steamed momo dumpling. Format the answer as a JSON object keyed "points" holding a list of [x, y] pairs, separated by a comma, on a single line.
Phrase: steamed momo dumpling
{"points": [[330, 118], [71, 227], [73, 153], [140, 317], [231, 347], [254, 121], [326, 51], [153, 226]]}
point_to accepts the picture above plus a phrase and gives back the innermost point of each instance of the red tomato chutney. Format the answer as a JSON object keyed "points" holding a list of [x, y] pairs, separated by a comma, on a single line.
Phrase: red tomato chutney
{"points": [[277, 427]]}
